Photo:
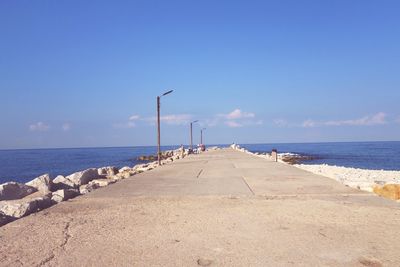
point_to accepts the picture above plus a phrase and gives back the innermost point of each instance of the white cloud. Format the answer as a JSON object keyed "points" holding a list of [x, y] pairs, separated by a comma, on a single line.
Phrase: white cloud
{"points": [[172, 119], [235, 119], [176, 119], [210, 122], [238, 114], [126, 125], [233, 124], [39, 127], [66, 127], [377, 119], [134, 117], [309, 124], [280, 122]]}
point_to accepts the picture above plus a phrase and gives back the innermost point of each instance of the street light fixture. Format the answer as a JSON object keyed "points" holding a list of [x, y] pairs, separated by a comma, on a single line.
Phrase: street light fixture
{"points": [[158, 126], [191, 134], [201, 135]]}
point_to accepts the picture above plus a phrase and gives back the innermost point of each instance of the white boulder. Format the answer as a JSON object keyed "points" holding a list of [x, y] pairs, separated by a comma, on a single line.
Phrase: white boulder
{"points": [[102, 182], [63, 195], [83, 177], [13, 190], [87, 188], [107, 171], [125, 169], [42, 183], [60, 182], [23, 207]]}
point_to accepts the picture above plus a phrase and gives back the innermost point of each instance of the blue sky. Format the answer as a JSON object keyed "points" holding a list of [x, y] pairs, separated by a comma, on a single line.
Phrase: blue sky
{"points": [[87, 73]]}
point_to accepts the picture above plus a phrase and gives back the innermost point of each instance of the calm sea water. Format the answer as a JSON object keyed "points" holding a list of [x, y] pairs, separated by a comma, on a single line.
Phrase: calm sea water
{"points": [[24, 165], [364, 155]]}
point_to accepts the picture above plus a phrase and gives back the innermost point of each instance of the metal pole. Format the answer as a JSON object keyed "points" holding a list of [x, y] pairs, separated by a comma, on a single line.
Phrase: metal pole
{"points": [[201, 138], [191, 136], [158, 131]]}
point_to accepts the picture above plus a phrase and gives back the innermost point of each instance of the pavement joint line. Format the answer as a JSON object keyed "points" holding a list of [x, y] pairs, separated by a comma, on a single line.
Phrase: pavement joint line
{"points": [[198, 175], [316, 194], [248, 186]]}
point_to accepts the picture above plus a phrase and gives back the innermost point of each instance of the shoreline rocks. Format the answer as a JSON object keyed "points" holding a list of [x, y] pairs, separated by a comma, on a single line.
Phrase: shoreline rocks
{"points": [[107, 171], [14, 190], [83, 177], [381, 182], [61, 182], [391, 191], [22, 207], [42, 183], [64, 194], [4, 219], [18, 200]]}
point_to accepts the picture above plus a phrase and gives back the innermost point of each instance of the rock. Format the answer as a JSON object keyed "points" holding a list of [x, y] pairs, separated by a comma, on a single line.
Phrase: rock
{"points": [[125, 172], [107, 171], [391, 191], [204, 262], [125, 169], [60, 182], [87, 188], [115, 178], [122, 175], [143, 167], [146, 158], [43, 184], [64, 194], [4, 219], [102, 182], [83, 177], [13, 190], [23, 207]]}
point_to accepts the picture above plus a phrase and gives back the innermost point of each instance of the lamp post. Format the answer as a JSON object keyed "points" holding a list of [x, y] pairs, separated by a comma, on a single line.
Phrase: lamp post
{"points": [[201, 135], [159, 127], [191, 134]]}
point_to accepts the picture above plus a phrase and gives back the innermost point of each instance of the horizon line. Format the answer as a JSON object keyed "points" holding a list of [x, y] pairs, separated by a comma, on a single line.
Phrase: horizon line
{"points": [[139, 146]]}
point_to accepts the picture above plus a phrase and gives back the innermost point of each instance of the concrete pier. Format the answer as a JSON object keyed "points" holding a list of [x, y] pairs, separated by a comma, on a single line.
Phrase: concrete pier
{"points": [[220, 208]]}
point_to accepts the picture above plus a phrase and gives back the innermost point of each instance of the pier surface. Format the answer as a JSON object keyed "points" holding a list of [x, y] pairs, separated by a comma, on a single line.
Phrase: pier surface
{"points": [[220, 208]]}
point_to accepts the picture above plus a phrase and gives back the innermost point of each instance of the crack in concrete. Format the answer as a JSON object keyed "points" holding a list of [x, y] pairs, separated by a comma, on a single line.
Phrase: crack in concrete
{"points": [[66, 234], [248, 186], [66, 238], [47, 260]]}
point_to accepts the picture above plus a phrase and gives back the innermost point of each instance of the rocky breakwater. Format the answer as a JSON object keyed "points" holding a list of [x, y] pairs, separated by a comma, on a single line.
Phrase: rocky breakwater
{"points": [[381, 182], [170, 155], [282, 157], [18, 200]]}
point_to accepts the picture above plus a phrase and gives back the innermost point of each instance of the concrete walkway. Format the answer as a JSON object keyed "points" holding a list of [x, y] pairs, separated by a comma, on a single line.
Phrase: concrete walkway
{"points": [[221, 208]]}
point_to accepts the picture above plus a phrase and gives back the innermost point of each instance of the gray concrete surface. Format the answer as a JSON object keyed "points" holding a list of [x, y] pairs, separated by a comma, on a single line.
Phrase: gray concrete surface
{"points": [[221, 208]]}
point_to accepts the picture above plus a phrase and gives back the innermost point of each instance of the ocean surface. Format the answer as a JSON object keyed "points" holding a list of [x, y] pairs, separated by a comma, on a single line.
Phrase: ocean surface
{"points": [[25, 165]]}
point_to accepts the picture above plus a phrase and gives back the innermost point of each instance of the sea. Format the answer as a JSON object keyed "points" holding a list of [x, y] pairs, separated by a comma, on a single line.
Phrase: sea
{"points": [[23, 165]]}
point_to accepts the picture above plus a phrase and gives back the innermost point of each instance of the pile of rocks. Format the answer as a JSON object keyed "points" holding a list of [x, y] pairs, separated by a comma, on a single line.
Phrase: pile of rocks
{"points": [[18, 200], [381, 182], [165, 155]]}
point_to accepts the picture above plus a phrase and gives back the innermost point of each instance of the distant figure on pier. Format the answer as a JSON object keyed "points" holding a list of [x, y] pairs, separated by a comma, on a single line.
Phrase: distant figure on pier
{"points": [[182, 148]]}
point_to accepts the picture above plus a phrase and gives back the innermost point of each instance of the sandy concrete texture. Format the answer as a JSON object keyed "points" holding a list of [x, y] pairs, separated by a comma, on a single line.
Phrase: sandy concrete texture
{"points": [[220, 208]]}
